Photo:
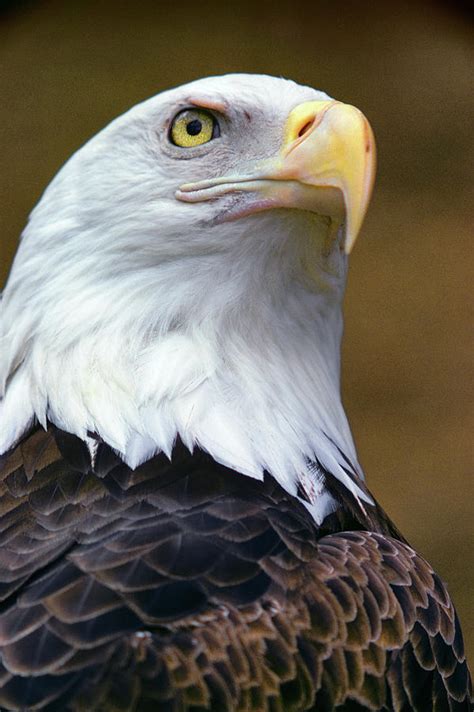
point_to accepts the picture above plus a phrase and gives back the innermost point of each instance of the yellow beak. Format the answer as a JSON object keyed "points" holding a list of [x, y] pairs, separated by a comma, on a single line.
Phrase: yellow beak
{"points": [[329, 146]]}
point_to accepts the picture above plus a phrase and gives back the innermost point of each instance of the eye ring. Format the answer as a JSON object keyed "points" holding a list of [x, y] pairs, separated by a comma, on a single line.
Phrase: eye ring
{"points": [[193, 127]]}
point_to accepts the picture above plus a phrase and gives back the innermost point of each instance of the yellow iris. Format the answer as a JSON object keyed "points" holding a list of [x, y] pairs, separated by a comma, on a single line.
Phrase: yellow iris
{"points": [[192, 127]]}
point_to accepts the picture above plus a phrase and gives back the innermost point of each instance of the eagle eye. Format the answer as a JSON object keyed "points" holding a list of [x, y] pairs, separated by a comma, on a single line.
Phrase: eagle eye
{"points": [[193, 127]]}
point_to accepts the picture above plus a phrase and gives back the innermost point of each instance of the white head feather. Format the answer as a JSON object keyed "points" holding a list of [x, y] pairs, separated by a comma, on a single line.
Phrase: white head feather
{"points": [[139, 318]]}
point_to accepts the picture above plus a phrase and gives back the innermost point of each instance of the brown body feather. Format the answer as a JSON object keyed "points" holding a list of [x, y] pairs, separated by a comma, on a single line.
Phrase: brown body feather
{"points": [[184, 586]]}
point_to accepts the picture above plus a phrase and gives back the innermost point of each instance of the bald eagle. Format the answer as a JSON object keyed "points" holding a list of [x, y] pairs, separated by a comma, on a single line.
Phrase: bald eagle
{"points": [[184, 523]]}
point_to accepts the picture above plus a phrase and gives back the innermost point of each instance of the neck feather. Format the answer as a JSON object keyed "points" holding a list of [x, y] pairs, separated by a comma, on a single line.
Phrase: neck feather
{"points": [[247, 370]]}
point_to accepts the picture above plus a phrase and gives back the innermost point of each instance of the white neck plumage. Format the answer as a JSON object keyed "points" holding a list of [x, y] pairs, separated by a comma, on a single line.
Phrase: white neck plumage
{"points": [[237, 356]]}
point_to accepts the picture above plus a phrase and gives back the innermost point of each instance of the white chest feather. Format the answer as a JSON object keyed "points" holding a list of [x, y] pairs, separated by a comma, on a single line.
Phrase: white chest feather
{"points": [[257, 387]]}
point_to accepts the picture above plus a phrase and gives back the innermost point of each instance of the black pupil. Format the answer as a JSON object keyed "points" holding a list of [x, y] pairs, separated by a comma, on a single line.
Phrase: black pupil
{"points": [[194, 127]]}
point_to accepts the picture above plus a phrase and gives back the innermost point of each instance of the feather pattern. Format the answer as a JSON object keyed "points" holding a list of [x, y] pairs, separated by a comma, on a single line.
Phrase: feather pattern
{"points": [[182, 585]]}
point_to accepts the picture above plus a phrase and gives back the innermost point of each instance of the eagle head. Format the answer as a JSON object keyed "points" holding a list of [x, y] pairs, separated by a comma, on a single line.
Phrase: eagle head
{"points": [[182, 275]]}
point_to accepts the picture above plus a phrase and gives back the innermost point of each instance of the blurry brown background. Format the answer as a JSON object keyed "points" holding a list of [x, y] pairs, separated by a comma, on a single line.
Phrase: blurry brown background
{"points": [[67, 68]]}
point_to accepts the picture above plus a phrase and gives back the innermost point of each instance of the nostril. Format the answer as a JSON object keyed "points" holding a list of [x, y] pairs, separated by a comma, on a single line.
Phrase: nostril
{"points": [[305, 128]]}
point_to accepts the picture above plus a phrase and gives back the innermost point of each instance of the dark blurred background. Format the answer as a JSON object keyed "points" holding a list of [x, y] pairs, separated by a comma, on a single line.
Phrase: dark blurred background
{"points": [[67, 68]]}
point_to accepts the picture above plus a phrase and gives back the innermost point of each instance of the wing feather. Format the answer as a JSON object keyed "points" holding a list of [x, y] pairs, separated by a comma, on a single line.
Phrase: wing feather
{"points": [[183, 585]]}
